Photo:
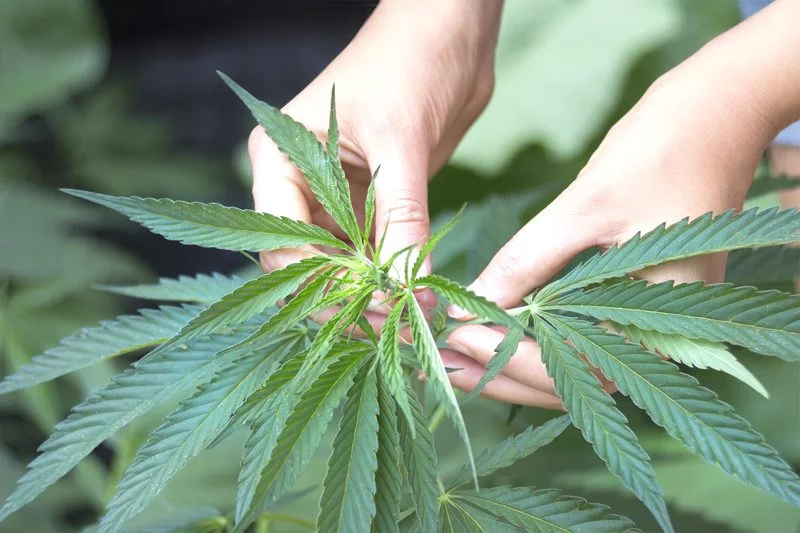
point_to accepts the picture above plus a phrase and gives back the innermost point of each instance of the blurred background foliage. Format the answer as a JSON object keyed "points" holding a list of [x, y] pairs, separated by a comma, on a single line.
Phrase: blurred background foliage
{"points": [[121, 97]]}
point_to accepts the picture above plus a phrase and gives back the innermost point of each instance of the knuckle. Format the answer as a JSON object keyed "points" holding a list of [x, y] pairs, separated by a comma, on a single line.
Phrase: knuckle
{"points": [[408, 210], [506, 264]]}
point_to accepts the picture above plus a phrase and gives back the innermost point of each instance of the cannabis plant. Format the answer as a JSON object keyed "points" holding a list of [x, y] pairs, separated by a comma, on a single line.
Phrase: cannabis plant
{"points": [[246, 355]]}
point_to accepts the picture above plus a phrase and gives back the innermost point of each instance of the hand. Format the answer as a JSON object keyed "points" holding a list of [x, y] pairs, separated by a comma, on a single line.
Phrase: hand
{"points": [[408, 86], [673, 155]]}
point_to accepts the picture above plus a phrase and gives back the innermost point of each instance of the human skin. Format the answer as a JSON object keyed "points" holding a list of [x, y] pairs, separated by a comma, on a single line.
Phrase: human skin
{"points": [[418, 74]]}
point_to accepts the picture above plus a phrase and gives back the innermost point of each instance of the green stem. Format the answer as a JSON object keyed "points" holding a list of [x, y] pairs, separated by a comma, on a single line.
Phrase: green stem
{"points": [[261, 525], [287, 518], [436, 418]]}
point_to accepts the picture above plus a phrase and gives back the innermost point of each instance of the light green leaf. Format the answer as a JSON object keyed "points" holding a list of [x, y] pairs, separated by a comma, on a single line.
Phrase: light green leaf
{"points": [[503, 354], [545, 510], [369, 205], [348, 498], [388, 479], [249, 300], [776, 264], [324, 176], [390, 361], [594, 412], [214, 225], [704, 235], [690, 413], [694, 353], [428, 357], [421, 465], [766, 322], [189, 429], [458, 516], [512, 449], [112, 338], [266, 411], [468, 300], [149, 383], [303, 432], [335, 326], [437, 236], [202, 288]]}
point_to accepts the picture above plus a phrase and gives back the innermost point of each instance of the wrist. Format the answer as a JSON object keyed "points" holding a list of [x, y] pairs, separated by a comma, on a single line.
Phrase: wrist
{"points": [[473, 23], [754, 69]]}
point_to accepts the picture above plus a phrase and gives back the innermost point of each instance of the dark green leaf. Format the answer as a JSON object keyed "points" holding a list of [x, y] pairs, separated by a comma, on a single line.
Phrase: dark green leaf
{"points": [[689, 412], [512, 449], [704, 235], [766, 322], [603, 425], [304, 150], [214, 225], [348, 499], [388, 479], [112, 338]]}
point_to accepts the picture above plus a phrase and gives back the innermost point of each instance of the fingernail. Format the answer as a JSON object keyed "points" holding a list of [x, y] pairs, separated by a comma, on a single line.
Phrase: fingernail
{"points": [[457, 313], [378, 303]]}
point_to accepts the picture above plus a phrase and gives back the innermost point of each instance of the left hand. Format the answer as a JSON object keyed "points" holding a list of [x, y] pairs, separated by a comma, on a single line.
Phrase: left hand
{"points": [[673, 155]]}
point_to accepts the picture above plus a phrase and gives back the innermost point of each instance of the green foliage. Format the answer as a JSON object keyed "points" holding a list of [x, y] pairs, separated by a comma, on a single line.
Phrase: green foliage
{"points": [[704, 235], [213, 225], [202, 288], [694, 353], [766, 322], [348, 499], [240, 362], [527, 509], [513, 449], [593, 412]]}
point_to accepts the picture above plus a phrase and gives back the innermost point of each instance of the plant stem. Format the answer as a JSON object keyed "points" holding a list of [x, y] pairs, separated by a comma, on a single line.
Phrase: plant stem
{"points": [[289, 519], [436, 418]]}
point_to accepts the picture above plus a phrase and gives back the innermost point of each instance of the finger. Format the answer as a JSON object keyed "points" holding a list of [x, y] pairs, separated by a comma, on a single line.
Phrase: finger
{"points": [[709, 268], [279, 189], [526, 367], [537, 252], [401, 207], [502, 388]]}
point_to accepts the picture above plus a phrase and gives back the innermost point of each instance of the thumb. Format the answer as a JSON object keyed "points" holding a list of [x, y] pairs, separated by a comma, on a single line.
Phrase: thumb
{"points": [[401, 198], [535, 254]]}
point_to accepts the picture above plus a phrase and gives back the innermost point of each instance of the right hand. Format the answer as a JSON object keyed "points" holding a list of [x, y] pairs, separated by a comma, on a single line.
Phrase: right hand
{"points": [[408, 86]]}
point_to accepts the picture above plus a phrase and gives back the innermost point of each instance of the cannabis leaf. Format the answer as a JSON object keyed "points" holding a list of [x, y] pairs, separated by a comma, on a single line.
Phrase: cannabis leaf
{"points": [[111, 338], [544, 510], [214, 225], [765, 322], [695, 353], [421, 465], [188, 430], [202, 288], [512, 449], [347, 503], [704, 235], [237, 361], [323, 171], [428, 355], [303, 432], [593, 412], [391, 363], [689, 412], [388, 479]]}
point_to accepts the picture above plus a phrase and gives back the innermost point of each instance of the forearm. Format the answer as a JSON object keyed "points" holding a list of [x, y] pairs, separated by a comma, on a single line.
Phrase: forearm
{"points": [[753, 71], [463, 27]]}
